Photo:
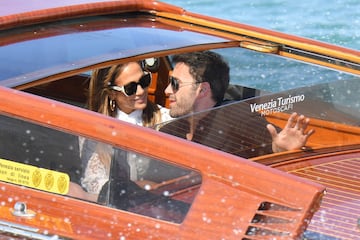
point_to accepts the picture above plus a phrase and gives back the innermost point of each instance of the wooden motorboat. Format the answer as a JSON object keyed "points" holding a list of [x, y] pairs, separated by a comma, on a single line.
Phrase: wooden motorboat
{"points": [[48, 50]]}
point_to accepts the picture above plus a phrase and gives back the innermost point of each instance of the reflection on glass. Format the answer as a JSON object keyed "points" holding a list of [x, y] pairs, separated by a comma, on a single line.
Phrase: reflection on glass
{"points": [[267, 89], [137, 183], [54, 161]]}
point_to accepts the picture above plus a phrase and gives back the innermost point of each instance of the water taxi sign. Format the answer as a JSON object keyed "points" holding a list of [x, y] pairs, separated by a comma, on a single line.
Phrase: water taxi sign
{"points": [[34, 177]]}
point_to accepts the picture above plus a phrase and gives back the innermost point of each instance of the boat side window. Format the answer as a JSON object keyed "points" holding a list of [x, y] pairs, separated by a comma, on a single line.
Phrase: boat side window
{"points": [[46, 159], [38, 157], [240, 127], [140, 184], [260, 93]]}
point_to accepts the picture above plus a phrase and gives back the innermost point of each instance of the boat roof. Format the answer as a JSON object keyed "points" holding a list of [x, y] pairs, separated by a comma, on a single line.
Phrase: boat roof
{"points": [[18, 11], [21, 6]]}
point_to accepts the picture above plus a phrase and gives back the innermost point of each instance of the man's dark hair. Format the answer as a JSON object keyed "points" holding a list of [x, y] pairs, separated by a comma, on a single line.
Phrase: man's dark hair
{"points": [[207, 66]]}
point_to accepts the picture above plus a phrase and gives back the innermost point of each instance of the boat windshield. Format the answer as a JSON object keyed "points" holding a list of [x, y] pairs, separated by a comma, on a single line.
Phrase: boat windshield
{"points": [[268, 91]]}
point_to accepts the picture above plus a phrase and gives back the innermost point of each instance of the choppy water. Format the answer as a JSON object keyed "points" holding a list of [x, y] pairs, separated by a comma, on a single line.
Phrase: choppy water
{"points": [[332, 21]]}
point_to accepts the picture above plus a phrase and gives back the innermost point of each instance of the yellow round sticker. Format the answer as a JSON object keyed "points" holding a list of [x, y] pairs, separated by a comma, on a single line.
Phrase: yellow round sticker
{"points": [[36, 177], [49, 181], [62, 184]]}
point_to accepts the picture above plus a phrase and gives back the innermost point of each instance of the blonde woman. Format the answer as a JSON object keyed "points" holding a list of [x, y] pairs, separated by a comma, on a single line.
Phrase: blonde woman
{"points": [[120, 91]]}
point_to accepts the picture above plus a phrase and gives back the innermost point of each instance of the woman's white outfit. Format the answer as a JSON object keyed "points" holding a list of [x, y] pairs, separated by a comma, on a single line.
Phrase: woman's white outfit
{"points": [[96, 175]]}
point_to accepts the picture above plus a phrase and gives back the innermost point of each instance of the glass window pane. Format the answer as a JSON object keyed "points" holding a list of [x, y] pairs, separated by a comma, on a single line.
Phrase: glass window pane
{"points": [[53, 161], [72, 44], [267, 89], [138, 183], [38, 157]]}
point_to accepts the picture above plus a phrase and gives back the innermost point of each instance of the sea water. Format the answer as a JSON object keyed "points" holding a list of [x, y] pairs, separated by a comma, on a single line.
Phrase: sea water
{"points": [[332, 21]]}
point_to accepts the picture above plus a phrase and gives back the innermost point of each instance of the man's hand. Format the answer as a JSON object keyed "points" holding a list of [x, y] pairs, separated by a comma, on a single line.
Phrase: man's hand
{"points": [[293, 136]]}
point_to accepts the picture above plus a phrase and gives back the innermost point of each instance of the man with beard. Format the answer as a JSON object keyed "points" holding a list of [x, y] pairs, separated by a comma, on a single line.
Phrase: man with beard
{"points": [[198, 83]]}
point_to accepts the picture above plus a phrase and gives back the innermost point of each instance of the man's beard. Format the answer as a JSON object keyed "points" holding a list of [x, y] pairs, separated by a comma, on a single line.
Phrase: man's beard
{"points": [[179, 111]]}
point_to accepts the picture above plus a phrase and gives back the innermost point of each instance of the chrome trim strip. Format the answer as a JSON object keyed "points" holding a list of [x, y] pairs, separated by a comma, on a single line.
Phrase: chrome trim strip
{"points": [[24, 231]]}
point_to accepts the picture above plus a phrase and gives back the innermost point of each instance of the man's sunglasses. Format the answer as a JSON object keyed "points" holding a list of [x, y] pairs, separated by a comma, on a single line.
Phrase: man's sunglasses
{"points": [[131, 88], [175, 84]]}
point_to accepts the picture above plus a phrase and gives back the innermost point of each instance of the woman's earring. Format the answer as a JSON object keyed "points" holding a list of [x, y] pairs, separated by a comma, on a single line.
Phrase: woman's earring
{"points": [[112, 105]]}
